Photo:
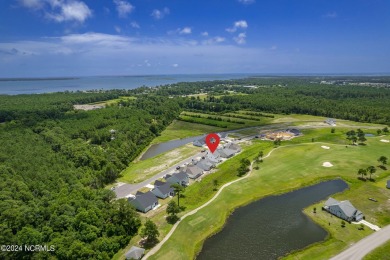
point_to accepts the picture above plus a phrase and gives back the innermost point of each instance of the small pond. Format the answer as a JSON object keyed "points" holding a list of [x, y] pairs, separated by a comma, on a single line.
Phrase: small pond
{"points": [[271, 227], [369, 135]]}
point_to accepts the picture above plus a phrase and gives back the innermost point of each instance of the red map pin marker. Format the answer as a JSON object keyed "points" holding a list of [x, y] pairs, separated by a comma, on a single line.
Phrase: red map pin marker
{"points": [[212, 141]]}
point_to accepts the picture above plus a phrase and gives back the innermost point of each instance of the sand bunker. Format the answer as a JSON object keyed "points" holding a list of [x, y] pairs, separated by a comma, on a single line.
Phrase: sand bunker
{"points": [[385, 141], [325, 147], [327, 164]]}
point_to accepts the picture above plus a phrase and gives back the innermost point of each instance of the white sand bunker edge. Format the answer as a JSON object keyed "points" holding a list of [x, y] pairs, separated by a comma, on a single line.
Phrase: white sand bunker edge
{"points": [[325, 147], [385, 141], [327, 164]]}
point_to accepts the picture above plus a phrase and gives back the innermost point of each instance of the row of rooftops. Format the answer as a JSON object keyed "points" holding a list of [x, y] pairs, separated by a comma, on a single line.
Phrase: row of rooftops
{"points": [[145, 201]]}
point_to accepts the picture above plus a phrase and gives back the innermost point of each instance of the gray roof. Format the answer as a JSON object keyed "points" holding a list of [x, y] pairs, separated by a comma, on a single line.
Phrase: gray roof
{"points": [[226, 152], [158, 183], [347, 208], [193, 171], [165, 187], [181, 176], [331, 201], [205, 164], [144, 199], [222, 135], [233, 146], [135, 253]]}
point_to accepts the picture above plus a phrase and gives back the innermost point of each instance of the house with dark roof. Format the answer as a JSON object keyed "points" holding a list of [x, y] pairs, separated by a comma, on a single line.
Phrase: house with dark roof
{"points": [[226, 152], [388, 184], [134, 253], [234, 147], [205, 164], [178, 178], [144, 201], [199, 142], [343, 209], [193, 171], [162, 189]]}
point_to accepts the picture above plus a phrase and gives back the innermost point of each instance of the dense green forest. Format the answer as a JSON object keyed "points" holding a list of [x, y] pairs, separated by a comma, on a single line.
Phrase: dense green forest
{"points": [[55, 161], [53, 169], [286, 95]]}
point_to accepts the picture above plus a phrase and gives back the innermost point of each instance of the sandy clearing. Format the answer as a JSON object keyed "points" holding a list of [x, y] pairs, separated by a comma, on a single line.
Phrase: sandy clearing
{"points": [[327, 164], [325, 147], [385, 141]]}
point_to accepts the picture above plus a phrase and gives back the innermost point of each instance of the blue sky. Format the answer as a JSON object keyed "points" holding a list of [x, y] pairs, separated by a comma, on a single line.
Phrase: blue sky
{"points": [[41, 38]]}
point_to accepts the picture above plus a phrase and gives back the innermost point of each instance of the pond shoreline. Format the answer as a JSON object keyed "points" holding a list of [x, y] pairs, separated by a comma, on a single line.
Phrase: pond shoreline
{"points": [[200, 246]]}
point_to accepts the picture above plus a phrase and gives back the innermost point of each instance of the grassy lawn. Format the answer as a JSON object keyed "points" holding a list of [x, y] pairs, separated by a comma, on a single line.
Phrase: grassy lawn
{"points": [[288, 168], [142, 170], [381, 252], [180, 129], [112, 101]]}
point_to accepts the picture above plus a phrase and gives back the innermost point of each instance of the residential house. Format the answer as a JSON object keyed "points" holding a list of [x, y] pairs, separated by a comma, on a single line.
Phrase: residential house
{"points": [[214, 157], [193, 171], [179, 178], [205, 164], [162, 189], [199, 142], [144, 201], [135, 253], [222, 135], [388, 184], [343, 209], [234, 147], [226, 152]]}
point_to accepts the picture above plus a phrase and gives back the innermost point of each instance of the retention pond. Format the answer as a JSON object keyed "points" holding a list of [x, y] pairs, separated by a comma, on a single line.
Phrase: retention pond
{"points": [[271, 227]]}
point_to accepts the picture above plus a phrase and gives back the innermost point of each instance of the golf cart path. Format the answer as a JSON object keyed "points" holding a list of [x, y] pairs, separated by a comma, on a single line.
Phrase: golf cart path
{"points": [[162, 242], [159, 245], [365, 245]]}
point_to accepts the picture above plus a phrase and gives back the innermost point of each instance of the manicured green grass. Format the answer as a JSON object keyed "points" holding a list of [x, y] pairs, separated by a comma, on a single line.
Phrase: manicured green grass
{"points": [[382, 252], [142, 170], [288, 168], [342, 237]]}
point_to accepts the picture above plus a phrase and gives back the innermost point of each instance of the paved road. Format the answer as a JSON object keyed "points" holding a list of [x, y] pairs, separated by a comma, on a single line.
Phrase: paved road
{"points": [[364, 246], [127, 189]]}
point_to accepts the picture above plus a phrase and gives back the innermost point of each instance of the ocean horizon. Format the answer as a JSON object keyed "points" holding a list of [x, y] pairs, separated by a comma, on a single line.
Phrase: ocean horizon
{"points": [[16, 86]]}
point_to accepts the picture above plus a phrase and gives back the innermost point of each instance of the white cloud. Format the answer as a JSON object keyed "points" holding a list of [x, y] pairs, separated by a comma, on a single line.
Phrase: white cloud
{"points": [[175, 65], [274, 48], [135, 25], [214, 40], [60, 10], [123, 7], [240, 39], [118, 29], [185, 30], [242, 24], [160, 14], [34, 4], [205, 34], [246, 2]]}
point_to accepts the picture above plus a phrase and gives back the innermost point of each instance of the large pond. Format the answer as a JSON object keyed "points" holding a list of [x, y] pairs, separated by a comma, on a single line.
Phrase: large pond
{"points": [[271, 227], [156, 149]]}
